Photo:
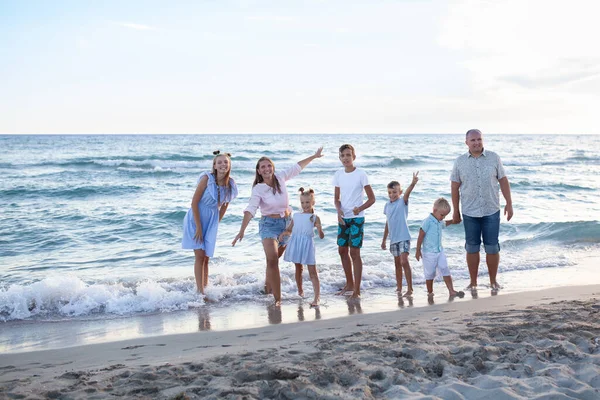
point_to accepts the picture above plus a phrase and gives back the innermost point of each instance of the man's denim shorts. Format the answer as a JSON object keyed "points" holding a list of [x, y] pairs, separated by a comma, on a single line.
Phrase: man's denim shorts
{"points": [[487, 227], [271, 228]]}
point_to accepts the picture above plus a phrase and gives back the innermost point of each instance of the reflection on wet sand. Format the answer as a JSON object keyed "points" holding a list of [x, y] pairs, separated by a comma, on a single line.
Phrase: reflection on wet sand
{"points": [[301, 311], [354, 306], [274, 314], [204, 319], [403, 300]]}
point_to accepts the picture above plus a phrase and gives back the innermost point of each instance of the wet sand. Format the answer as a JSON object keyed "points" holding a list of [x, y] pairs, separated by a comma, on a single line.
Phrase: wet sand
{"points": [[538, 344]]}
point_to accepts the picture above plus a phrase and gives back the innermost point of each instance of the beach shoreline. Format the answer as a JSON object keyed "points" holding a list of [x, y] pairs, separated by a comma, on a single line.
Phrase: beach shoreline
{"points": [[550, 338]]}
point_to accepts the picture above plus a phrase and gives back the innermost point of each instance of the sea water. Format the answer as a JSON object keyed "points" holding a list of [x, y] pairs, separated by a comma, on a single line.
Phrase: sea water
{"points": [[91, 225]]}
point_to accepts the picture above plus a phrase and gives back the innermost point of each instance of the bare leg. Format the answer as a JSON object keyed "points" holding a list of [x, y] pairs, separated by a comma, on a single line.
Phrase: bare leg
{"points": [[429, 284], [273, 277], [398, 268], [205, 271], [407, 273], [450, 286], [473, 264], [357, 266], [267, 284], [493, 260], [299, 279], [199, 270], [347, 265], [314, 278]]}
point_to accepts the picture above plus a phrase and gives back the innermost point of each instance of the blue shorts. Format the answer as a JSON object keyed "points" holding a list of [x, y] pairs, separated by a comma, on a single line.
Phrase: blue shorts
{"points": [[271, 228], [487, 227], [352, 233], [400, 247]]}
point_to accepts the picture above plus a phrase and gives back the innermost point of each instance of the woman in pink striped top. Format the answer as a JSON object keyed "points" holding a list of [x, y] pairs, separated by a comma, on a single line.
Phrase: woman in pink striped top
{"points": [[269, 193]]}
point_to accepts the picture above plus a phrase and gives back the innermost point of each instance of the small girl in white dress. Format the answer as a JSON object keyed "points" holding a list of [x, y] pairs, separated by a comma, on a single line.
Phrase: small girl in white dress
{"points": [[301, 248]]}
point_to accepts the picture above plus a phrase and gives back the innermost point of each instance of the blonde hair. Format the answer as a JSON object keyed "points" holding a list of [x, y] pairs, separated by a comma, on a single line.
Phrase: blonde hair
{"points": [[308, 193], [442, 204]]}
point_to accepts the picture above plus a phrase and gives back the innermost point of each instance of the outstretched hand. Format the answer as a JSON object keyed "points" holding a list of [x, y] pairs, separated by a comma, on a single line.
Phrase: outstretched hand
{"points": [[319, 153], [239, 237]]}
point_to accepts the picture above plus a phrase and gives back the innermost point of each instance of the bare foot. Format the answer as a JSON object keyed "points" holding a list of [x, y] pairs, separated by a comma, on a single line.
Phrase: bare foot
{"points": [[355, 295], [495, 286], [345, 290], [408, 293], [301, 293], [399, 289], [277, 303], [460, 294], [429, 294], [315, 303], [472, 286]]}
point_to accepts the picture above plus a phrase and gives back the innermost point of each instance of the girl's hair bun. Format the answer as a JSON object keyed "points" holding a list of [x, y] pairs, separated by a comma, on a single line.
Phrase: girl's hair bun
{"points": [[301, 190], [216, 152]]}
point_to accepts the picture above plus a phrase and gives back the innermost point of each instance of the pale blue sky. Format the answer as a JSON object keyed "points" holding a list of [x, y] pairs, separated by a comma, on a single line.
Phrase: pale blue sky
{"points": [[310, 66]]}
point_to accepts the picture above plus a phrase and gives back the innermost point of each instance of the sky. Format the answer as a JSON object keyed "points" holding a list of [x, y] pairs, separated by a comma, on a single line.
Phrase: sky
{"points": [[287, 66]]}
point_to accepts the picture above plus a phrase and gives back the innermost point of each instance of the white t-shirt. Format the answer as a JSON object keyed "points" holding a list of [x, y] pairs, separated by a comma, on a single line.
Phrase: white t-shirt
{"points": [[351, 186]]}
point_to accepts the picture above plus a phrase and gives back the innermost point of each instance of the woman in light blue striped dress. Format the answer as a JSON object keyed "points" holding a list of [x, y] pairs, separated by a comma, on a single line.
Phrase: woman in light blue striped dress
{"points": [[301, 248], [214, 190]]}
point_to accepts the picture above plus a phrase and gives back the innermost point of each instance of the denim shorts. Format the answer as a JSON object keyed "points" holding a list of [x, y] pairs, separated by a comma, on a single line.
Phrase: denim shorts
{"points": [[487, 227], [400, 247], [271, 228]]}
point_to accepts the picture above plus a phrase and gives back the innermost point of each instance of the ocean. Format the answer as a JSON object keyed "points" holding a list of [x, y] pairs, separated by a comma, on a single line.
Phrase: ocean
{"points": [[91, 226]]}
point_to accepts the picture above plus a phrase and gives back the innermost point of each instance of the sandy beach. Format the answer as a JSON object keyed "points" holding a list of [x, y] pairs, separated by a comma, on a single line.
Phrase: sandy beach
{"points": [[538, 344]]}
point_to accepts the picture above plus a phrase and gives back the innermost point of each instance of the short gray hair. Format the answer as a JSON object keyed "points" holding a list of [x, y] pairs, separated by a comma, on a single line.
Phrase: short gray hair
{"points": [[473, 131]]}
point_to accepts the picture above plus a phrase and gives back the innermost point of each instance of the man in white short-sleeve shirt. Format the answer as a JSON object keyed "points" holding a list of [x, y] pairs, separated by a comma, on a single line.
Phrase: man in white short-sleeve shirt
{"points": [[350, 185]]}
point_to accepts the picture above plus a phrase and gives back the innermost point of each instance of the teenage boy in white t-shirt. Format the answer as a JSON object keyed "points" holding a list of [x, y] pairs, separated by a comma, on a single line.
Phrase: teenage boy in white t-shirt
{"points": [[350, 185]]}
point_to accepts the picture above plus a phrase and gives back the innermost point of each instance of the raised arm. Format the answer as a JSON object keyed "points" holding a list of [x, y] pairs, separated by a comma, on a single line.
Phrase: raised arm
{"points": [[306, 161], [200, 189], [410, 187], [456, 202], [505, 188]]}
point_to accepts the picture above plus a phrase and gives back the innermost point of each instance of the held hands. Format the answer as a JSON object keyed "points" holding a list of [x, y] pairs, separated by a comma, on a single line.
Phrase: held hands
{"points": [[456, 218], [239, 237], [418, 255], [508, 211], [282, 234]]}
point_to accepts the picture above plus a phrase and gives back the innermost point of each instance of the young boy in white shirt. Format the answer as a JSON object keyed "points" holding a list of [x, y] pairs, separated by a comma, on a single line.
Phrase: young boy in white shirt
{"points": [[350, 185]]}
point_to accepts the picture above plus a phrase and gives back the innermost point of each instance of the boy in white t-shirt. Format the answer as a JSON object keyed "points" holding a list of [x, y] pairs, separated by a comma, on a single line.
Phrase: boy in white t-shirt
{"points": [[350, 185]]}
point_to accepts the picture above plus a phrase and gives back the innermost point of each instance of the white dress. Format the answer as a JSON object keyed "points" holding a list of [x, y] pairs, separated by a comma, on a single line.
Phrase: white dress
{"points": [[301, 248]]}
